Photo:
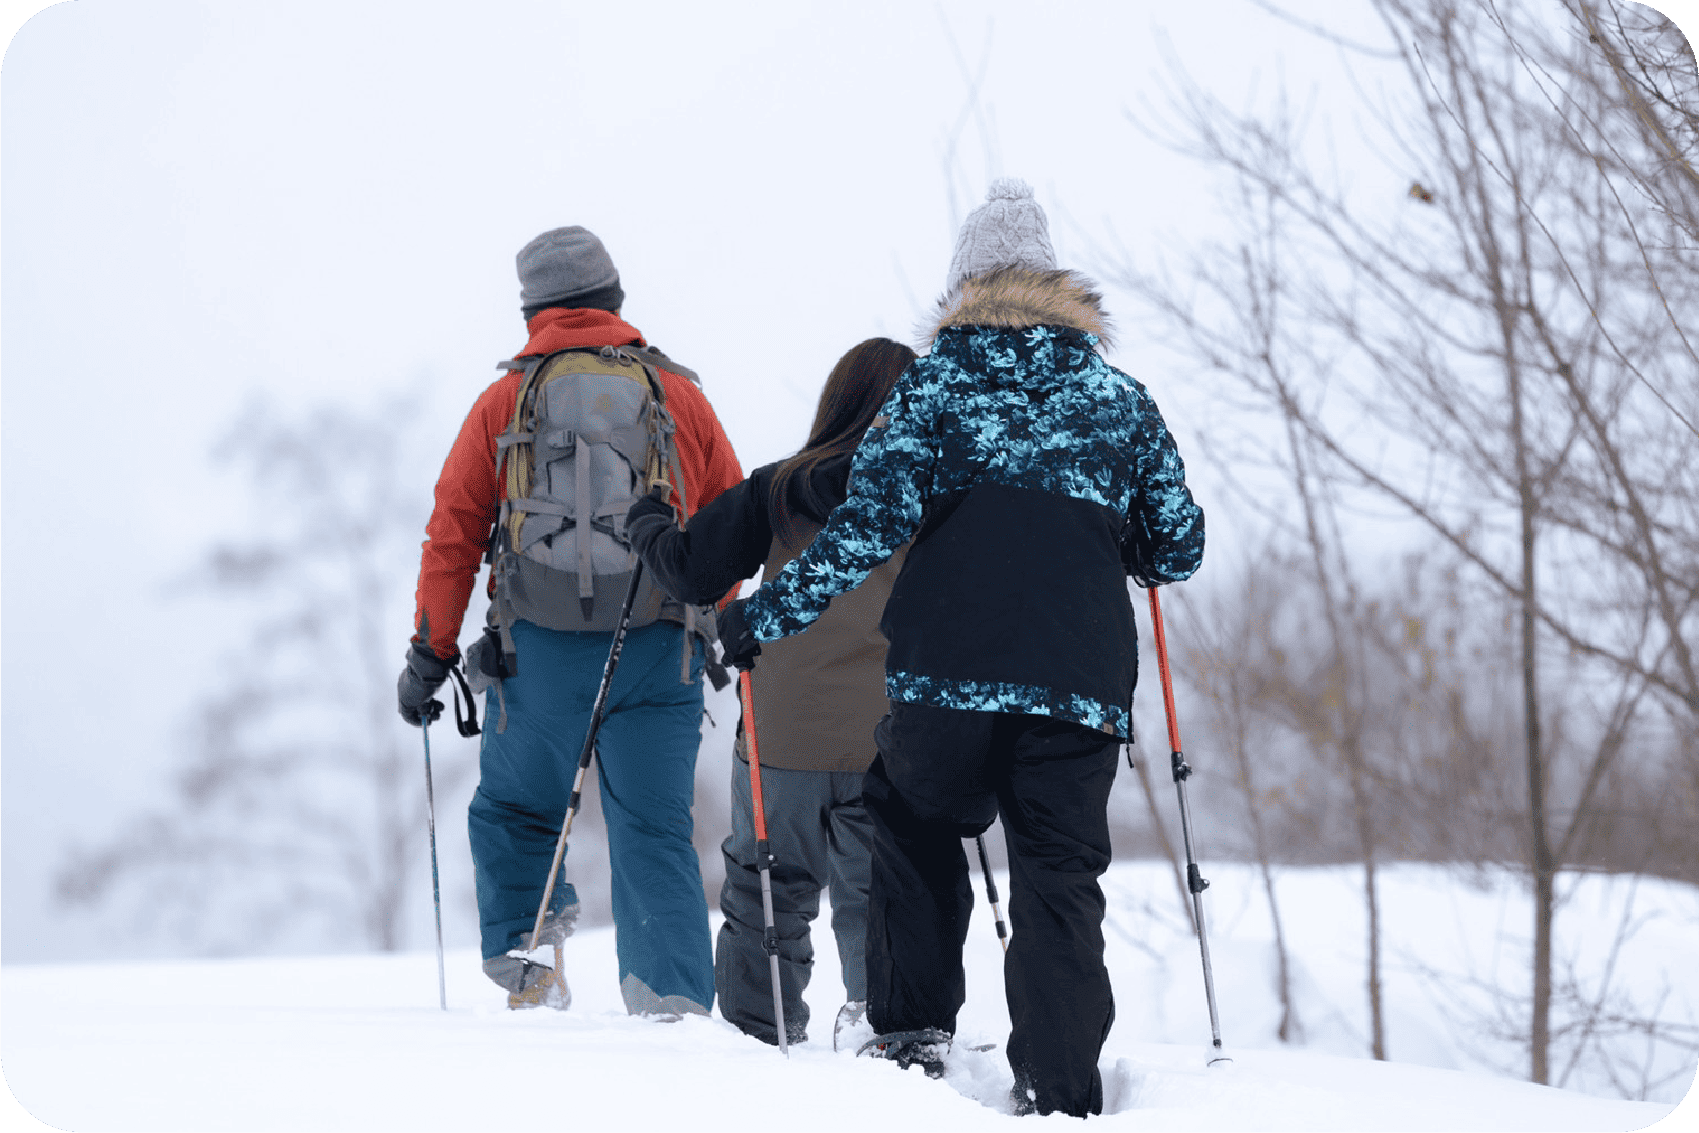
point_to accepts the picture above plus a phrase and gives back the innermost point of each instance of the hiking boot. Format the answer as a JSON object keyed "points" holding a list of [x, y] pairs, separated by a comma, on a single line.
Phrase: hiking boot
{"points": [[530, 984], [548, 989], [641, 1000], [924, 1048], [851, 1028]]}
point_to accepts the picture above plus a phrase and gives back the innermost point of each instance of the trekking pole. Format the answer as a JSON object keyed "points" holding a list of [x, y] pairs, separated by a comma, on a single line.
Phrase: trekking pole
{"points": [[589, 750], [1182, 771], [991, 895], [436, 884], [763, 856]]}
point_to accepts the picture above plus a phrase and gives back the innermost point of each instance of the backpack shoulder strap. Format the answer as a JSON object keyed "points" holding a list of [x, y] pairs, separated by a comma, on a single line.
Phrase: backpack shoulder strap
{"points": [[655, 357], [513, 470], [529, 365], [652, 361], [517, 470]]}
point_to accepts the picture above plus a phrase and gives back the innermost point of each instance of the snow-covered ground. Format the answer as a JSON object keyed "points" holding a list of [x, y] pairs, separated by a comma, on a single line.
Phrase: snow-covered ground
{"points": [[359, 1043]]}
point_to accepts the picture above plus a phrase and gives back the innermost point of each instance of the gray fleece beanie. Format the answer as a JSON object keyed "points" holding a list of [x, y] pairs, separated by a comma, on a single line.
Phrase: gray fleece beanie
{"points": [[567, 267], [1008, 230]]}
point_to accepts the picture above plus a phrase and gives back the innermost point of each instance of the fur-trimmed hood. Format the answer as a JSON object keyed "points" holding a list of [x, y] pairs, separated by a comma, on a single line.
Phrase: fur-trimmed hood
{"points": [[1017, 297]]}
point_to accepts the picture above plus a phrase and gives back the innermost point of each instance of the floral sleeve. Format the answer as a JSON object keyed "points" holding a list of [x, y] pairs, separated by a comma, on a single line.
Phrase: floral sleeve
{"points": [[1163, 541]]}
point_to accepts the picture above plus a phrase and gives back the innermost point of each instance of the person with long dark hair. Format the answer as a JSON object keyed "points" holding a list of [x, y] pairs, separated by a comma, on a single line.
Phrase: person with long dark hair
{"points": [[818, 696]]}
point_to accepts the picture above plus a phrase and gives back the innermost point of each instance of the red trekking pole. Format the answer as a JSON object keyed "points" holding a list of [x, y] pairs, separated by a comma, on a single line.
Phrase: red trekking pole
{"points": [[1182, 771], [763, 854]]}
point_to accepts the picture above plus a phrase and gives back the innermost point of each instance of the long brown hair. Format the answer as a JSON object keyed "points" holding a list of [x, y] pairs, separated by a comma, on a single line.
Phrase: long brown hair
{"points": [[857, 386]]}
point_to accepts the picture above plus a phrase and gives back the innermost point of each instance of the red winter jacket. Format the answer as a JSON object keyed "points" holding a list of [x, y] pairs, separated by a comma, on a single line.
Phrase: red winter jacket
{"points": [[469, 491]]}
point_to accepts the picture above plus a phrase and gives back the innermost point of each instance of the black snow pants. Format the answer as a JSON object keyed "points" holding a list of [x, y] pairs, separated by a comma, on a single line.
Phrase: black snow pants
{"points": [[942, 775]]}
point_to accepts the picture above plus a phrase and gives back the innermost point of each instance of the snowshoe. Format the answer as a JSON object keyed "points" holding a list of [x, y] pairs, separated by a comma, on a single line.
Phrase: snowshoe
{"points": [[924, 1048], [851, 1028]]}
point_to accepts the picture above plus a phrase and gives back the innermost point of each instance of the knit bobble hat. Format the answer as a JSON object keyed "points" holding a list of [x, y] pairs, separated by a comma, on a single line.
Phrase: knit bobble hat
{"points": [[567, 267], [1008, 230]]}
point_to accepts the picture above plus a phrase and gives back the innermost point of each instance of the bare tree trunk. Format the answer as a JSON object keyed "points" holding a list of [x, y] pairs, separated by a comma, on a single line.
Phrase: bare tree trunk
{"points": [[1371, 902], [1541, 865], [1289, 1028], [395, 837], [1348, 736], [1540, 851]]}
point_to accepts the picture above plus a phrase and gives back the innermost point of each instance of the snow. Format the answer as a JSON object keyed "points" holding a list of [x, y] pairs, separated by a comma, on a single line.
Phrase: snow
{"points": [[359, 1043]]}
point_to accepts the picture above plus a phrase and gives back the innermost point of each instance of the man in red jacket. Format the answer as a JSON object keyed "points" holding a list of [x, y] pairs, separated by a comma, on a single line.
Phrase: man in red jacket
{"points": [[571, 297]]}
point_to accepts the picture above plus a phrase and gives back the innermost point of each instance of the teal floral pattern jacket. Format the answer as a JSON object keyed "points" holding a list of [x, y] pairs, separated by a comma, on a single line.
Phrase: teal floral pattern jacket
{"points": [[1034, 479]]}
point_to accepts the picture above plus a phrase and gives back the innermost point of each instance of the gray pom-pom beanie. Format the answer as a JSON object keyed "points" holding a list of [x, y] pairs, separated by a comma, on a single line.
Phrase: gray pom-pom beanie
{"points": [[1008, 230], [567, 267]]}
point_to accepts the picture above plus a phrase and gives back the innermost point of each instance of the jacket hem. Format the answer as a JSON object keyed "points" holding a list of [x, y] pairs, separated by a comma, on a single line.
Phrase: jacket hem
{"points": [[1003, 696]]}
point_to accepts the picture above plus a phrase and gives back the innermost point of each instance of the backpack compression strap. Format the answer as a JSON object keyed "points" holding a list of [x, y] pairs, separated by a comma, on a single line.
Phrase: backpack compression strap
{"points": [[513, 462]]}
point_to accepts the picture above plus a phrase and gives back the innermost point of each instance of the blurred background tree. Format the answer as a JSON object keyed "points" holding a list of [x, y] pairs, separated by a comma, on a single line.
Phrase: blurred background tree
{"points": [[299, 803]]}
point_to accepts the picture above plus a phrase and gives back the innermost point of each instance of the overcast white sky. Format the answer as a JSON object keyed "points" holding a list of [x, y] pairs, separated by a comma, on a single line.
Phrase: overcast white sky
{"points": [[201, 200]]}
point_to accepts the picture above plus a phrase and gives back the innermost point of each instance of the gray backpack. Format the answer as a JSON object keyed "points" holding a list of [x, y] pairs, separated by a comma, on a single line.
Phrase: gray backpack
{"points": [[590, 434]]}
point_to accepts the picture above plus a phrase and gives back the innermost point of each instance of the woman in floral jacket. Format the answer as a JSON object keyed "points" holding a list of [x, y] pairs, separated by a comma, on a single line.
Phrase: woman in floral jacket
{"points": [[1033, 479]]}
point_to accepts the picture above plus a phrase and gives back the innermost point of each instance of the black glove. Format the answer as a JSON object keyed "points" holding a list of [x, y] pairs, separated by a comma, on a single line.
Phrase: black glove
{"points": [[737, 641], [648, 517], [423, 675]]}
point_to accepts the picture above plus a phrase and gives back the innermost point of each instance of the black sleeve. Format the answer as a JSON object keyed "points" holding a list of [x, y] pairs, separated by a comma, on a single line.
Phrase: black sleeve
{"points": [[726, 542]]}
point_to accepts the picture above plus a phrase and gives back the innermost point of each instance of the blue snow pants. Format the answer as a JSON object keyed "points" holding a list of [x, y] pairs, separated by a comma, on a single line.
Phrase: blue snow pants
{"points": [[646, 763]]}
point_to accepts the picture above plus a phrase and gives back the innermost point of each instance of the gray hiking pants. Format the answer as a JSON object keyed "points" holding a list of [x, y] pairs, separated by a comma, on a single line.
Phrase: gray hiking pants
{"points": [[821, 835]]}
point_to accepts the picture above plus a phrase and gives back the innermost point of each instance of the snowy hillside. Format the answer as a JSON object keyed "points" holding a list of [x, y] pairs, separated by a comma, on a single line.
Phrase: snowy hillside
{"points": [[358, 1043]]}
